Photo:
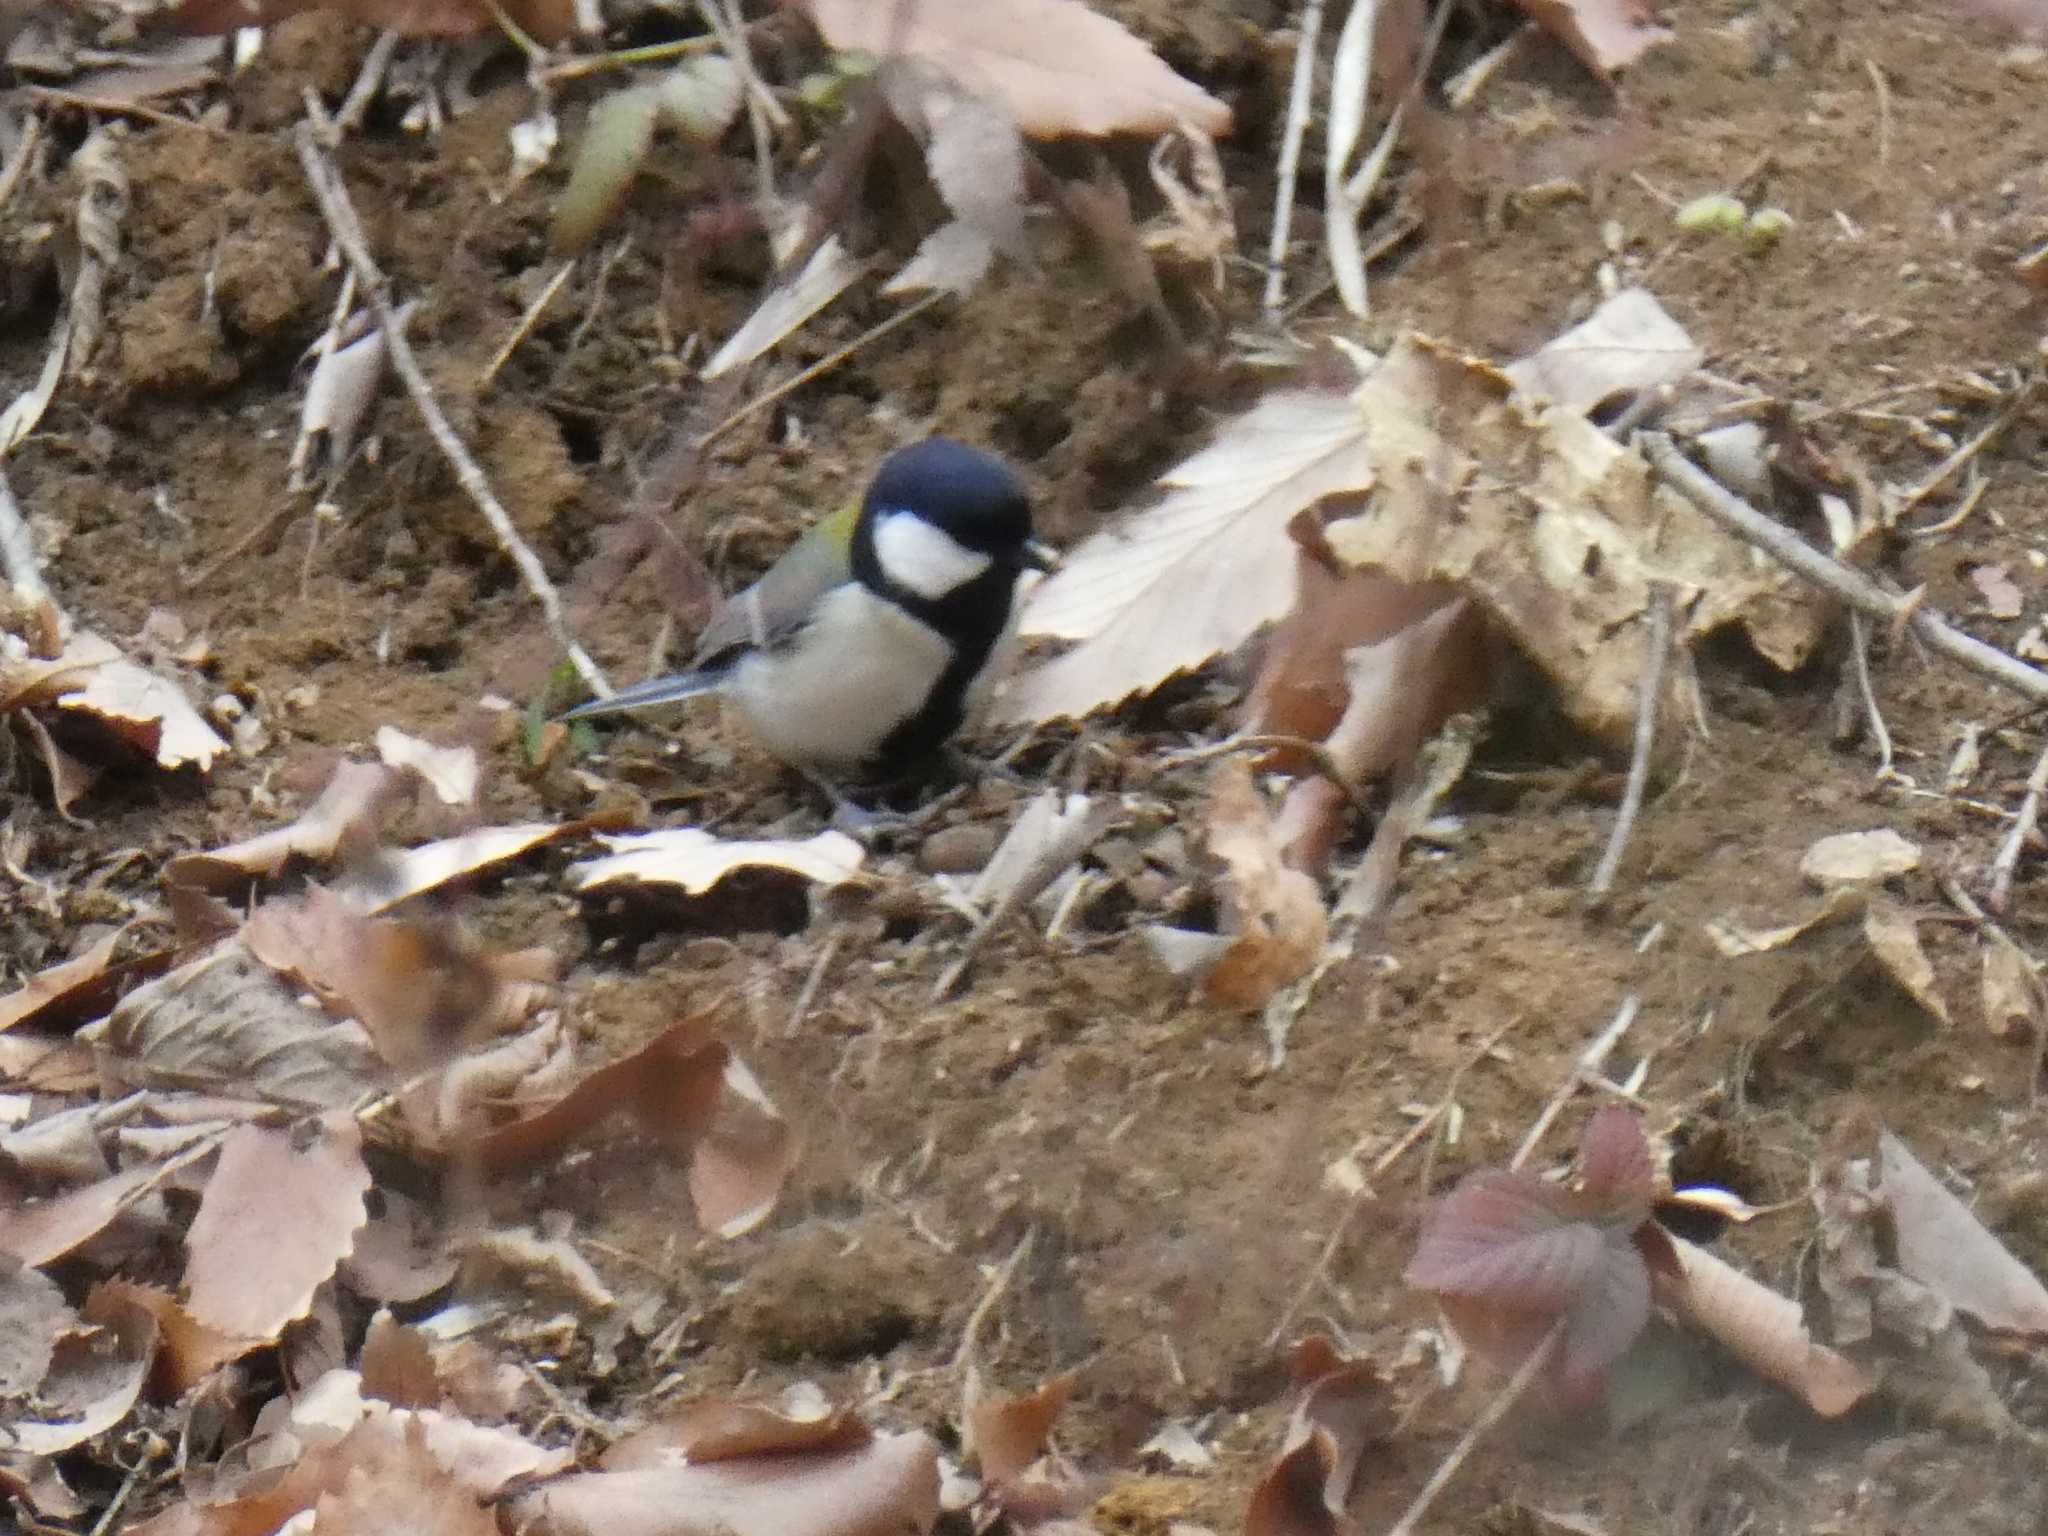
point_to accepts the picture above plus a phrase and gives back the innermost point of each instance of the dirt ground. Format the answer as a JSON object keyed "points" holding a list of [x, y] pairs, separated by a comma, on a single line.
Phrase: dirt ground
{"points": [[1172, 1184]]}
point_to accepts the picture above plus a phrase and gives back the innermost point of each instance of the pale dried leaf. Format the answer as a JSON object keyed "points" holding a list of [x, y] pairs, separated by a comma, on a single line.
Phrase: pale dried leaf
{"points": [[1895, 940], [402, 874], [742, 1161], [1944, 1246], [721, 1428], [33, 1317], [344, 817], [953, 258], [93, 677], [1628, 345], [1762, 1329], [829, 273], [280, 1212], [1056, 67], [1853, 858], [1049, 834], [2001, 594], [451, 772], [1200, 572], [94, 1379], [225, 1022], [343, 387], [887, 1487], [2009, 989], [1606, 35], [187, 1350], [694, 860], [44, 1230], [1273, 914], [398, 1256]]}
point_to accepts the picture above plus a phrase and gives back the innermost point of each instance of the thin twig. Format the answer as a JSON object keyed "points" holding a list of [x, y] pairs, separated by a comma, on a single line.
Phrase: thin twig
{"points": [[1979, 484], [1591, 1062], [1506, 1398], [971, 1334], [332, 194], [1884, 110], [1858, 590], [16, 170], [1298, 95], [1859, 650], [801, 1010], [525, 326], [822, 366], [1649, 700], [369, 80], [1999, 897], [1945, 471], [1464, 87], [64, 98]]}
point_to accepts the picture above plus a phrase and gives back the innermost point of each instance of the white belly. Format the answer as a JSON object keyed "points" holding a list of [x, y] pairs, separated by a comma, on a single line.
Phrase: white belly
{"points": [[828, 700]]}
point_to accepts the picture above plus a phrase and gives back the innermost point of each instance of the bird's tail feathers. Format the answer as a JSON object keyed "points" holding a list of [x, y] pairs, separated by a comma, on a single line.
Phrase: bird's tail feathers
{"points": [[653, 693]]}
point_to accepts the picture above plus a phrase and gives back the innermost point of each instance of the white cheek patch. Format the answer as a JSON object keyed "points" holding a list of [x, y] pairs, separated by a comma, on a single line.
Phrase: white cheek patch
{"points": [[922, 558]]}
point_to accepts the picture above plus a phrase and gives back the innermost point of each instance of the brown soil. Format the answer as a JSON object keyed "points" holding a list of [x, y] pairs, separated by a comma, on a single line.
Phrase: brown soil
{"points": [[1171, 1183]]}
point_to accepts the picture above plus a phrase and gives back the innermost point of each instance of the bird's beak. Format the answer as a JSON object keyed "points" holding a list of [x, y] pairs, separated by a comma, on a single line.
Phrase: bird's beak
{"points": [[1041, 557]]}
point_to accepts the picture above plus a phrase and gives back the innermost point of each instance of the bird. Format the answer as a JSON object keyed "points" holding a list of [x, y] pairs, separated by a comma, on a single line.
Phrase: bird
{"points": [[882, 631]]}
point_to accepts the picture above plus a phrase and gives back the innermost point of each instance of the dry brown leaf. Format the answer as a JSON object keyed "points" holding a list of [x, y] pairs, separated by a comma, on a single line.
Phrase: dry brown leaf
{"points": [[1606, 35], [1056, 66], [344, 818], [1944, 1246], [403, 874], [693, 860], [397, 1365], [1762, 1329], [33, 1316], [2009, 989], [451, 772], [280, 1212], [226, 1023], [1887, 928], [63, 994], [683, 1087], [188, 1351], [423, 990], [1344, 1407], [1627, 346], [1008, 1434], [1894, 939], [44, 1230], [398, 1255], [94, 1379], [722, 1428], [1274, 914], [887, 1486], [70, 779], [47, 1066]]}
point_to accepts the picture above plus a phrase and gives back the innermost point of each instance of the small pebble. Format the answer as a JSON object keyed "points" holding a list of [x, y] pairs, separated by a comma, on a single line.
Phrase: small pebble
{"points": [[958, 850]]}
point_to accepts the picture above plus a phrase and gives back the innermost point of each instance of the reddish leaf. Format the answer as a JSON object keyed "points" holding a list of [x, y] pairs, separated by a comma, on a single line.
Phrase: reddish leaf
{"points": [[1507, 1237]]}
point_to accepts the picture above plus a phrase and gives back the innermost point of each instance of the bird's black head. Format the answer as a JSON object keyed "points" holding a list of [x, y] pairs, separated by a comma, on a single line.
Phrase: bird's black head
{"points": [[972, 497]]}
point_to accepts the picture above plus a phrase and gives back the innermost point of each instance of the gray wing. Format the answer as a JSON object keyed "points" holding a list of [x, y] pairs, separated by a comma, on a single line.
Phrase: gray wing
{"points": [[775, 607]]}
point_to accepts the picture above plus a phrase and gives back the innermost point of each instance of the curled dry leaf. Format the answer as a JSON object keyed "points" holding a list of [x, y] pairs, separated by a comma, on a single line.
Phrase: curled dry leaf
{"points": [[976, 159], [1273, 914], [92, 677], [95, 1376], [694, 861], [724, 1428], [398, 875], [888, 1485], [451, 772], [548, 1263], [682, 1087], [227, 1023], [1606, 35], [1884, 926], [1764, 1330], [1007, 1434], [1942, 1244], [1344, 1406], [279, 1214], [829, 272], [343, 819], [187, 1350], [1057, 67], [63, 993]]}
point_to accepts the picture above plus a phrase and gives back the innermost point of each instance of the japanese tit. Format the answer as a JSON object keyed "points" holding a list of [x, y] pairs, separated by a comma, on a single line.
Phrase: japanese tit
{"points": [[882, 631]]}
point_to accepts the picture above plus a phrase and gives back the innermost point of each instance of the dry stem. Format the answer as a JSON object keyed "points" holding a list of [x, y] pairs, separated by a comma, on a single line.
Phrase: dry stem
{"points": [[1506, 1398], [1298, 95], [18, 550], [1999, 898], [1649, 698], [1852, 586], [332, 194]]}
